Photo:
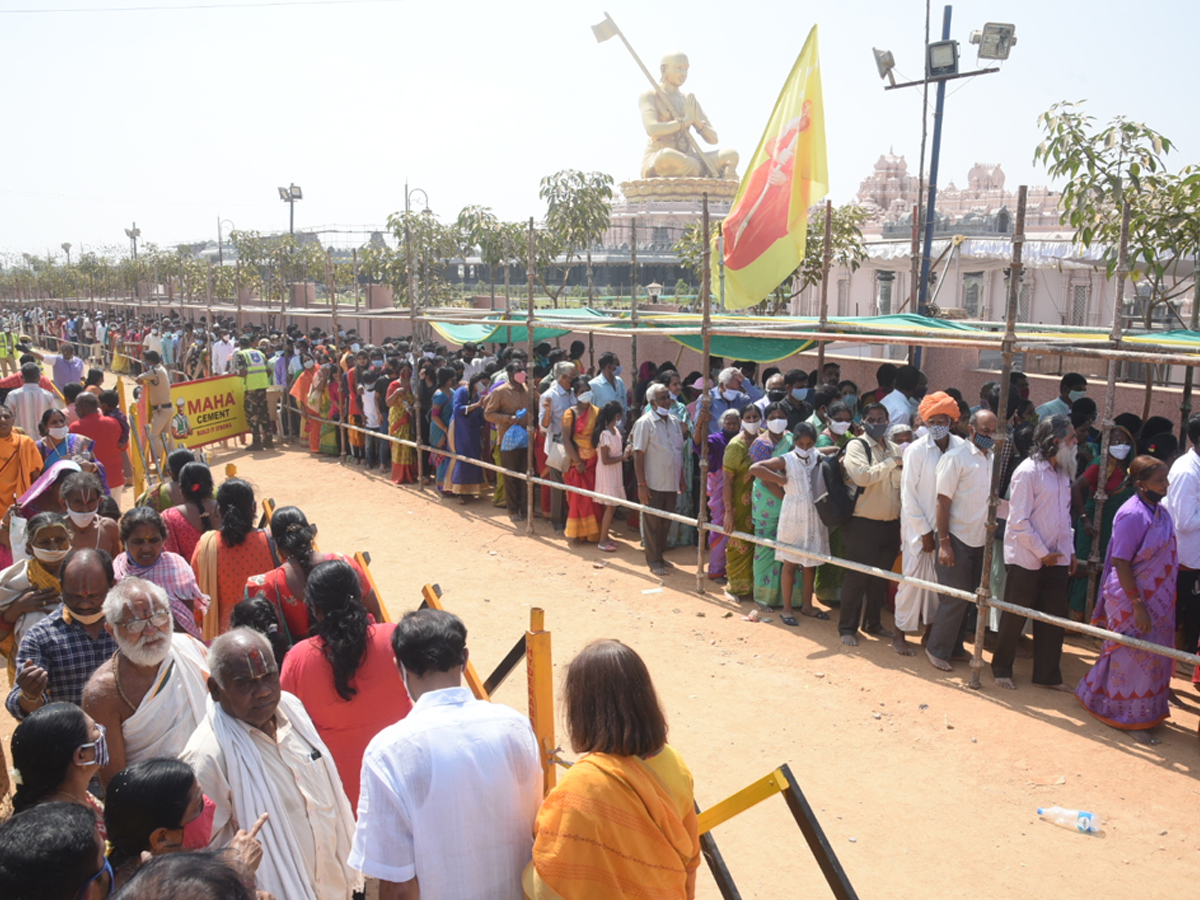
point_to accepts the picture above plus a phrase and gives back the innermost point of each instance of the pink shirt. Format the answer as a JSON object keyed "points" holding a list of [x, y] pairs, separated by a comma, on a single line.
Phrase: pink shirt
{"points": [[347, 726], [1039, 516]]}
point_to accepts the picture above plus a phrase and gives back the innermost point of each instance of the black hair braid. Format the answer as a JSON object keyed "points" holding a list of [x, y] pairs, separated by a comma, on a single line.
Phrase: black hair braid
{"points": [[334, 599]]}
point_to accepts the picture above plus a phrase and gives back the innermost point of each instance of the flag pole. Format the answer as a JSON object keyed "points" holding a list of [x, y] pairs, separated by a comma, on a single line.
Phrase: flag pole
{"points": [[657, 90], [828, 257]]}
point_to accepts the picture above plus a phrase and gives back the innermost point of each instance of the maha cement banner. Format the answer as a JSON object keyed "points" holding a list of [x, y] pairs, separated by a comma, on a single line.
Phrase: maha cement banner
{"points": [[214, 410]]}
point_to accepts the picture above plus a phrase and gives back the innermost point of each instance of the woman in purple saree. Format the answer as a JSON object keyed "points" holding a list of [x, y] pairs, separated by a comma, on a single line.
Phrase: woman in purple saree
{"points": [[1128, 688]]}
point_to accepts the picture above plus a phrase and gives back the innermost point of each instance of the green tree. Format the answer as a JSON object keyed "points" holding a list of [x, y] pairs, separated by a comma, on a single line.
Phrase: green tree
{"points": [[578, 212]]}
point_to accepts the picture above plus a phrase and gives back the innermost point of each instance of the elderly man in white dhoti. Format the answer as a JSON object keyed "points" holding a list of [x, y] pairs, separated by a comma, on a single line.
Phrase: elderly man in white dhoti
{"points": [[916, 606], [258, 751], [151, 694]]}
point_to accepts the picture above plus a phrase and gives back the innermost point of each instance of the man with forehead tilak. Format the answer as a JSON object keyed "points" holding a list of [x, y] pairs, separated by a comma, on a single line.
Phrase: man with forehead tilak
{"points": [[258, 751]]}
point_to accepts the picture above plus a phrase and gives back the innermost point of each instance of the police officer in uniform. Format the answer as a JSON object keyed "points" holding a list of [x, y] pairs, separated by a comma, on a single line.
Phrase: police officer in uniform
{"points": [[8, 350], [251, 365]]}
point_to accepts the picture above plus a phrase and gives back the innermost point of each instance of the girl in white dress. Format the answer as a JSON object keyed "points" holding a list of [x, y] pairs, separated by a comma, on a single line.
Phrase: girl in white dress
{"points": [[610, 480], [799, 525]]}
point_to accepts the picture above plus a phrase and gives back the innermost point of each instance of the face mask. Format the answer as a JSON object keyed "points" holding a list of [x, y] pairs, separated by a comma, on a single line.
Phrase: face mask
{"points": [[585, 397], [921, 432], [60, 434], [983, 442], [804, 455], [662, 412], [308, 363], [50, 556], [1076, 395], [751, 427], [519, 377], [777, 426], [851, 400], [775, 396], [839, 428], [377, 364], [876, 430], [427, 355], [354, 348], [101, 745], [81, 519], [730, 396], [800, 394], [939, 432], [619, 423], [1119, 451], [617, 371], [90, 619], [198, 833], [1153, 496]]}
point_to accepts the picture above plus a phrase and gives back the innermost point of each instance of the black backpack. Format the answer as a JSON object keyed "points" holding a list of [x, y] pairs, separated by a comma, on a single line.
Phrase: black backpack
{"points": [[835, 503]]}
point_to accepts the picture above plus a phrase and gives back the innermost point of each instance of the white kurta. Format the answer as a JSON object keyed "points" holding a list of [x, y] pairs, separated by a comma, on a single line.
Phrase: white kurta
{"points": [[918, 516], [175, 704]]}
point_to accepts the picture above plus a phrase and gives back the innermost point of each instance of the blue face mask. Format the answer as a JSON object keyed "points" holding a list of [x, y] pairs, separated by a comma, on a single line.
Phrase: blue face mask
{"points": [[617, 371], [1076, 396], [851, 401], [800, 394]]}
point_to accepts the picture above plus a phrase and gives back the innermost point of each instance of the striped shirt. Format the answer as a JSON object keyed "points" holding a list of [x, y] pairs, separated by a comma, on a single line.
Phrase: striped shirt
{"points": [[173, 574]]}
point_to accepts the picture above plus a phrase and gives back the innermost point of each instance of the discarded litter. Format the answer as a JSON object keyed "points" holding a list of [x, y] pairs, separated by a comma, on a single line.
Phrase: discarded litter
{"points": [[1073, 819], [1049, 779], [652, 591]]}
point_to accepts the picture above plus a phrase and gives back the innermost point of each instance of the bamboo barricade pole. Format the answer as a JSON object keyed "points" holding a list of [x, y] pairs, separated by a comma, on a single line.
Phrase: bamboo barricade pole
{"points": [[826, 260], [705, 401], [237, 289], [333, 299], [540, 674], [1106, 423], [531, 409], [915, 256], [1185, 407], [412, 320], [633, 306], [1003, 449], [343, 434]]}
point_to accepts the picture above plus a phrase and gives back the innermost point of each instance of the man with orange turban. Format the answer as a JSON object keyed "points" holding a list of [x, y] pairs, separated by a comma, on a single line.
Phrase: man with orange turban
{"points": [[918, 516]]}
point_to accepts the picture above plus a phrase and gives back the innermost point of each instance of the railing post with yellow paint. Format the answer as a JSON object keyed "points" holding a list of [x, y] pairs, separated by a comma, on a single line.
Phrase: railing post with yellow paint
{"points": [[539, 667]]}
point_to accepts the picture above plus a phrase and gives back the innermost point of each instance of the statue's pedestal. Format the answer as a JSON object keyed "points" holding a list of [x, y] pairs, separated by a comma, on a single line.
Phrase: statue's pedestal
{"points": [[679, 189]]}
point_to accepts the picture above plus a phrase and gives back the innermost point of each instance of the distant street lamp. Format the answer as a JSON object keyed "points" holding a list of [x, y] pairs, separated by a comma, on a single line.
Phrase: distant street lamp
{"points": [[133, 234], [220, 240], [66, 246], [290, 195]]}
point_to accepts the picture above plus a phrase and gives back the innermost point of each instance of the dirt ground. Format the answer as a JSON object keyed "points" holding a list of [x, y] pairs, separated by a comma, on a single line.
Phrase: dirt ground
{"points": [[921, 785]]}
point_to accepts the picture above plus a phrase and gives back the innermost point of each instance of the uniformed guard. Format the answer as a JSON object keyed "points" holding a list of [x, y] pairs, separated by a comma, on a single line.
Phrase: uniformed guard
{"points": [[251, 365]]}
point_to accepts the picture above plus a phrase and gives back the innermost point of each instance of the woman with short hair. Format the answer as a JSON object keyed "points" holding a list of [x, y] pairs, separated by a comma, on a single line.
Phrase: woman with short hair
{"points": [[345, 674], [622, 821]]}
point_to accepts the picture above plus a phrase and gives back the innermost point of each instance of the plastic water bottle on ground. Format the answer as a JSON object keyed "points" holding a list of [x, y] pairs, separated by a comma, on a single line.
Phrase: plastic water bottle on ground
{"points": [[1074, 819]]}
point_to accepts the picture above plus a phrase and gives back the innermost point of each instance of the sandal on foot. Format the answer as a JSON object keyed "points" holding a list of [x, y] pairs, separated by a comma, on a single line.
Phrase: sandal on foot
{"points": [[607, 547], [789, 621], [816, 614]]}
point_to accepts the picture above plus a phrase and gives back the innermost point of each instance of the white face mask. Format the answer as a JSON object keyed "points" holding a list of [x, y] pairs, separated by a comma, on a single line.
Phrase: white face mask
{"points": [[777, 426], [81, 519], [309, 363], [804, 455], [839, 428], [921, 432], [50, 556], [585, 397], [1119, 451], [662, 412], [751, 427], [730, 396], [59, 434]]}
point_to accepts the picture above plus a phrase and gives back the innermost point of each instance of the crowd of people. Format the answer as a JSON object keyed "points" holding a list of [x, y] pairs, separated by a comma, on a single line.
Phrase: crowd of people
{"points": [[203, 694]]}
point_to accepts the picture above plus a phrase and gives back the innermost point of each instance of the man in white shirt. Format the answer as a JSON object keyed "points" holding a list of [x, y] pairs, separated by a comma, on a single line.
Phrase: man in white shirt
{"points": [[964, 484], [1071, 387], [473, 361], [449, 793], [1183, 503], [899, 403], [918, 517], [657, 440], [556, 401], [30, 401], [222, 352], [153, 340]]}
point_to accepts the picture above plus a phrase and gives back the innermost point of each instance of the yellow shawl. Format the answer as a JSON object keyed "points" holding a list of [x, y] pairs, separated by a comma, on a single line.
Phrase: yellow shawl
{"points": [[612, 828], [207, 576]]}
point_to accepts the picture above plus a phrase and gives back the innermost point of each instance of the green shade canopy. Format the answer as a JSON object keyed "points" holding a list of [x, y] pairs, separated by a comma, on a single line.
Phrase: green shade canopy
{"points": [[492, 329]]}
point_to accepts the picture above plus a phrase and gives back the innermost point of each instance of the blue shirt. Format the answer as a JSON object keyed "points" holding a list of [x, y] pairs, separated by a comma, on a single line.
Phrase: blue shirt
{"points": [[719, 405], [67, 371], [67, 653], [603, 392]]}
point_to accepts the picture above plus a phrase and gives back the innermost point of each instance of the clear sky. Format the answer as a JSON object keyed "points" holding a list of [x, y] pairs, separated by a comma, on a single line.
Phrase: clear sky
{"points": [[176, 117]]}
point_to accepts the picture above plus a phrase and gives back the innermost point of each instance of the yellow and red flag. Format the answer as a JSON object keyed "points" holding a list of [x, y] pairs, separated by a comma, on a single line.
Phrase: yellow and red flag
{"points": [[765, 229]]}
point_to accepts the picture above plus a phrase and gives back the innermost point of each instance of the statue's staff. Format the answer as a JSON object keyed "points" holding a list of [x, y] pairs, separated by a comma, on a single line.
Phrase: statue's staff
{"points": [[608, 28]]}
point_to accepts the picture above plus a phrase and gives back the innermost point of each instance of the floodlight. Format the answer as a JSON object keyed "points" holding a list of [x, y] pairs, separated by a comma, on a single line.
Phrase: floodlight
{"points": [[942, 59], [996, 40], [297, 194], [284, 194], [885, 62]]}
